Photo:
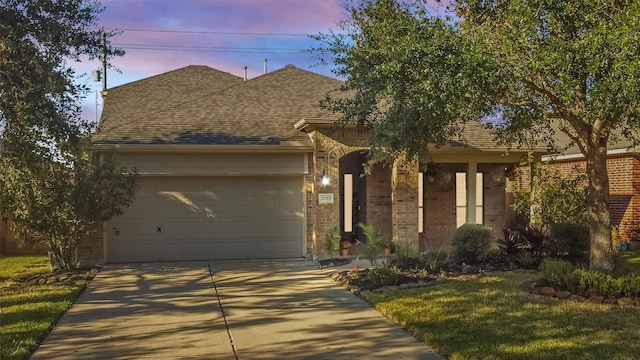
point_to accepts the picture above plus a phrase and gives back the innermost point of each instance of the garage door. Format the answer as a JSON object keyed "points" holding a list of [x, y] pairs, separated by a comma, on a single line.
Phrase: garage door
{"points": [[211, 218]]}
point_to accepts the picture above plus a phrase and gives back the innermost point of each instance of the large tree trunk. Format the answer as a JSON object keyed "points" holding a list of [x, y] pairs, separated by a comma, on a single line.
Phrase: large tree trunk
{"points": [[601, 256]]}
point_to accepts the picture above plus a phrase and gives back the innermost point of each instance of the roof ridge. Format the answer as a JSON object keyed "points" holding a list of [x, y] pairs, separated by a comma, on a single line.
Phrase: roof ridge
{"points": [[209, 68], [289, 67]]}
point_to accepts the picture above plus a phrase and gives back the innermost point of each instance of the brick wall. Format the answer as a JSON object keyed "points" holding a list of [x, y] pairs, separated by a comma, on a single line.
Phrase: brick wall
{"points": [[440, 207], [624, 186], [378, 200], [330, 145], [440, 203], [404, 204], [495, 207]]}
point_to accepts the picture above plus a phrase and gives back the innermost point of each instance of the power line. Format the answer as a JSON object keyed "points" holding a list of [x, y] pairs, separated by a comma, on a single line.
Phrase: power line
{"points": [[209, 47], [238, 51], [208, 32]]}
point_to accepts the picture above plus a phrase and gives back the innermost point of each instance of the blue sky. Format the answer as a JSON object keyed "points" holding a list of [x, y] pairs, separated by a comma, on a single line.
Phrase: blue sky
{"points": [[223, 34], [163, 35]]}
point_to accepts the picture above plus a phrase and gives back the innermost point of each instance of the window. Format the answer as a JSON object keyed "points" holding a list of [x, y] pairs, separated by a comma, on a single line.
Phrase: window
{"points": [[461, 199], [348, 203]]}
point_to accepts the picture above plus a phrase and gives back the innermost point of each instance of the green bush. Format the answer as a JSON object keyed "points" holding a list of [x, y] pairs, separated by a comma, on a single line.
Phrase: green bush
{"points": [[332, 239], [558, 272], [407, 255], [631, 285], [634, 234], [512, 245], [383, 276], [375, 243], [596, 282], [471, 242], [571, 240], [434, 261]]}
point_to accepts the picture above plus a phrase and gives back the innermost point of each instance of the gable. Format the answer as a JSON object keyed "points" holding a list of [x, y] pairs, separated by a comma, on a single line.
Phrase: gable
{"points": [[184, 108]]}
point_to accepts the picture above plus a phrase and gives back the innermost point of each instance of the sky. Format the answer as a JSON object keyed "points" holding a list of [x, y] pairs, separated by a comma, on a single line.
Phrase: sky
{"points": [[164, 35], [224, 34]]}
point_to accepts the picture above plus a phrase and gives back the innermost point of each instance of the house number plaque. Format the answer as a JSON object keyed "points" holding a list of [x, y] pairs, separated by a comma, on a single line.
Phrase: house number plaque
{"points": [[325, 198]]}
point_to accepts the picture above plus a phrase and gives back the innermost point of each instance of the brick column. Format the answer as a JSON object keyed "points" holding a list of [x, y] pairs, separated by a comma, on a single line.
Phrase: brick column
{"points": [[404, 203]]}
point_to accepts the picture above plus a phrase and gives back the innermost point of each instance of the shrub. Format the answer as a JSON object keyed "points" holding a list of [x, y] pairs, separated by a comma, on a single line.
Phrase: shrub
{"points": [[558, 272], [512, 245], [634, 234], [571, 240], [383, 276], [434, 261], [471, 242], [375, 243], [332, 239], [631, 285], [604, 284], [498, 259], [407, 255], [538, 244]]}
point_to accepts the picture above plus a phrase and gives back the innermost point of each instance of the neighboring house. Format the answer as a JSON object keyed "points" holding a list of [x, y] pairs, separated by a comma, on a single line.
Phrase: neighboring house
{"points": [[233, 169]]}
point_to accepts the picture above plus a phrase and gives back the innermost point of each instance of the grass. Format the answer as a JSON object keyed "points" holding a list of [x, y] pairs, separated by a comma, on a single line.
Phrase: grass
{"points": [[493, 318], [627, 262], [28, 312]]}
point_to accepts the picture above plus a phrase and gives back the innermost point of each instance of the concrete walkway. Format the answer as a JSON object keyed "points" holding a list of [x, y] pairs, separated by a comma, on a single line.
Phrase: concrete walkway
{"points": [[274, 310]]}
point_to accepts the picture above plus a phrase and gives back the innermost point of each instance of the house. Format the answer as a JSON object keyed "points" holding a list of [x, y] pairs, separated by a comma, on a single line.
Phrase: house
{"points": [[249, 169]]}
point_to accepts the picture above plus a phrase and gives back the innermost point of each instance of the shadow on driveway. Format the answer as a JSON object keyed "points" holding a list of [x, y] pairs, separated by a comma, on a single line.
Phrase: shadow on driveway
{"points": [[275, 310]]}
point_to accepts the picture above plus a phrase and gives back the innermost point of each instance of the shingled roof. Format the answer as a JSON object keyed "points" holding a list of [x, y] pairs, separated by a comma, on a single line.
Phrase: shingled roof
{"points": [[198, 105]]}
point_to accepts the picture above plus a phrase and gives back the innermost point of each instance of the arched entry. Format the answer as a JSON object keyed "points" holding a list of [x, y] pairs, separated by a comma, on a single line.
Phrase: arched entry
{"points": [[364, 198]]}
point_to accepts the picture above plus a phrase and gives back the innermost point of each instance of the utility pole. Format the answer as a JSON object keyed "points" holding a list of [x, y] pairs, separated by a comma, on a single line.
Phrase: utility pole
{"points": [[104, 60]]}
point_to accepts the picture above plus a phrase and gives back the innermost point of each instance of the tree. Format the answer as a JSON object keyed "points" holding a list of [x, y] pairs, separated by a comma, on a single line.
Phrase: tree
{"points": [[58, 205], [52, 183], [560, 199], [530, 67]]}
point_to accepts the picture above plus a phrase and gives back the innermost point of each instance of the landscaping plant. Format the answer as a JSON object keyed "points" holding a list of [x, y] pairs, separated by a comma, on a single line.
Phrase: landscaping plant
{"points": [[407, 255], [559, 273], [434, 261], [375, 243], [332, 239], [471, 242], [383, 276], [512, 244]]}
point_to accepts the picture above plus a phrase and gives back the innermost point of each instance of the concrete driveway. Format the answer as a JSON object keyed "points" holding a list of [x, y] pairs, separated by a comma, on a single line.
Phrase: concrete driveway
{"points": [[265, 310]]}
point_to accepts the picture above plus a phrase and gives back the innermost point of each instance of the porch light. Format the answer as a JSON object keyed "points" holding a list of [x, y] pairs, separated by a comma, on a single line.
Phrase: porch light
{"points": [[324, 179]]}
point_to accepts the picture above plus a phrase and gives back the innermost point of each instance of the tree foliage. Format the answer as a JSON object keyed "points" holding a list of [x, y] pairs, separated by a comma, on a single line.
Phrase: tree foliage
{"points": [[52, 183], [535, 68], [560, 199]]}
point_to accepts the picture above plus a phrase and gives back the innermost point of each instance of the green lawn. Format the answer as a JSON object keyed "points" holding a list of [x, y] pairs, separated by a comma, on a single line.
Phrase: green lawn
{"points": [[28, 312], [493, 318], [627, 262]]}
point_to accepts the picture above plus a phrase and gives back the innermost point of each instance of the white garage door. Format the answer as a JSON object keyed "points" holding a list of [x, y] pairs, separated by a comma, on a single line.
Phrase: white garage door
{"points": [[211, 218]]}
